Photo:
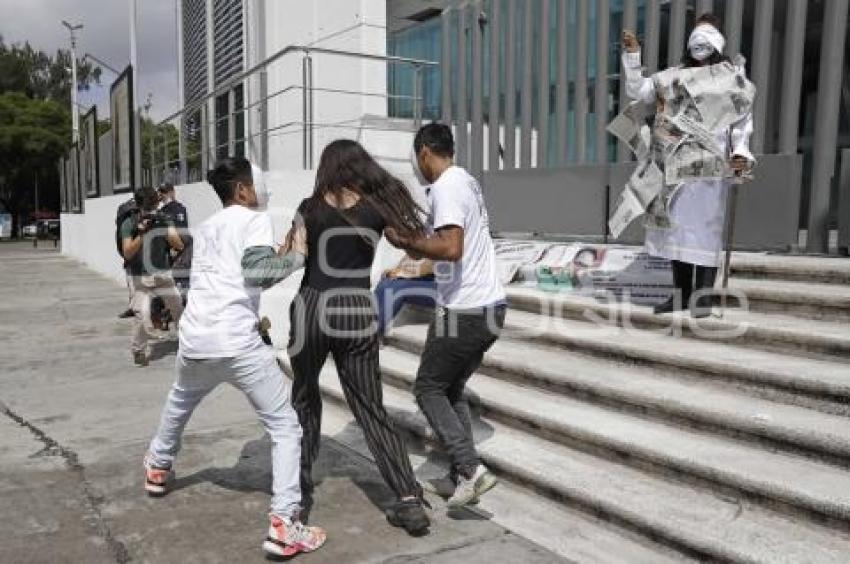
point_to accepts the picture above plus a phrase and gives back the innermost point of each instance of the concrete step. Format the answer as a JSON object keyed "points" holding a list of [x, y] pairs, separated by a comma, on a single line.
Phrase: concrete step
{"points": [[648, 391], [822, 384], [697, 521], [812, 300], [798, 482], [771, 331], [566, 531], [831, 270]]}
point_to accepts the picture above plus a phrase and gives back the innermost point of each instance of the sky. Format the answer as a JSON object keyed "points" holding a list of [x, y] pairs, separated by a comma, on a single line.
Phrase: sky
{"points": [[106, 35]]}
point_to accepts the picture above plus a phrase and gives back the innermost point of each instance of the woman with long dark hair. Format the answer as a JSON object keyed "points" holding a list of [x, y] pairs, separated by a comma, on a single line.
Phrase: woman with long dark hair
{"points": [[353, 201]]}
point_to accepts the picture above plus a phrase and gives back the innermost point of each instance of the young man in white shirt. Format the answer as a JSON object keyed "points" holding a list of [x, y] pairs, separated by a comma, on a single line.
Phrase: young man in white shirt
{"points": [[470, 309], [234, 260]]}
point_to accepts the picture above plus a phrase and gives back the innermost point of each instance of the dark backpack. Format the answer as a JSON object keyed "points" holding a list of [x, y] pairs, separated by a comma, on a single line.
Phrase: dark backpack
{"points": [[125, 210]]}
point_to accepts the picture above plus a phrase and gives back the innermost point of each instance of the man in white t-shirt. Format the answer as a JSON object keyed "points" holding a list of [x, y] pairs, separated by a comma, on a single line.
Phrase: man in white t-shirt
{"points": [[234, 260], [470, 309]]}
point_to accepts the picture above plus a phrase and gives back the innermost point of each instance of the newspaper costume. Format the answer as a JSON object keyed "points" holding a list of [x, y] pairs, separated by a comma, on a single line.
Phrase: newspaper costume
{"points": [[702, 117]]}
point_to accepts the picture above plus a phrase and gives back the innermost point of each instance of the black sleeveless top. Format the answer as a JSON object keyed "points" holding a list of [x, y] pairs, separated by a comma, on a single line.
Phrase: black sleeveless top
{"points": [[341, 244]]}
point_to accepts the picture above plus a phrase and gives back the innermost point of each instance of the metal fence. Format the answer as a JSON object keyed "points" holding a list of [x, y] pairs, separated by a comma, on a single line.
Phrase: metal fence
{"points": [[186, 142], [535, 120]]}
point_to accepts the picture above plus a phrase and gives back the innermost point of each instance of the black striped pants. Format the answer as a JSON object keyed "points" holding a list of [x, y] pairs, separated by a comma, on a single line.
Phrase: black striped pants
{"points": [[343, 324]]}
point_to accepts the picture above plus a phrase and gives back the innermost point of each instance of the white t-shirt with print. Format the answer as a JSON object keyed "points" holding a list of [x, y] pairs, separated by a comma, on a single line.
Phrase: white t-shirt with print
{"points": [[456, 199], [220, 319]]}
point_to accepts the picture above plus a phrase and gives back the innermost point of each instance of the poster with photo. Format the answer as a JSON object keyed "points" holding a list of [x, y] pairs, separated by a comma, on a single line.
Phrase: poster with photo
{"points": [[123, 133], [89, 154]]}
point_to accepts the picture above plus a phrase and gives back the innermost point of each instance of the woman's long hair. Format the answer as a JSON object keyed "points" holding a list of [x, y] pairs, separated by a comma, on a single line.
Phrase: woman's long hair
{"points": [[346, 164]]}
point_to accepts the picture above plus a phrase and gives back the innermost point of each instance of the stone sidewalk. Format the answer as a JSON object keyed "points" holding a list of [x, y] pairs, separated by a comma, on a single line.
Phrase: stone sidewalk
{"points": [[75, 418]]}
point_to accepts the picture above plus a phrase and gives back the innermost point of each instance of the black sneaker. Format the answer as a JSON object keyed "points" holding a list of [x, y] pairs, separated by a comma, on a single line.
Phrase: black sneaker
{"points": [[409, 515], [667, 307], [127, 314]]}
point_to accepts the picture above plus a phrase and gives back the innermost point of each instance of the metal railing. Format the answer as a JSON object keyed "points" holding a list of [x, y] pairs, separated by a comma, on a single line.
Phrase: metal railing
{"points": [[199, 137]]}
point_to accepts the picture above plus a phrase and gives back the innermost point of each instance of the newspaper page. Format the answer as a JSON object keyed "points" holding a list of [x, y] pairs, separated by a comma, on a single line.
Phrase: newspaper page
{"points": [[721, 93], [628, 208], [632, 129], [693, 162], [512, 255], [640, 191]]}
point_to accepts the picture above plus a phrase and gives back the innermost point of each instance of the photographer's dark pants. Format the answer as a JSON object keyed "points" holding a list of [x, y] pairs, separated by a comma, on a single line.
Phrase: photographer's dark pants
{"points": [[457, 341], [355, 351]]}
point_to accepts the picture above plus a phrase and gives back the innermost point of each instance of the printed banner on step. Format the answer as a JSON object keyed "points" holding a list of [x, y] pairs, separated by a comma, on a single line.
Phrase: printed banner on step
{"points": [[601, 271]]}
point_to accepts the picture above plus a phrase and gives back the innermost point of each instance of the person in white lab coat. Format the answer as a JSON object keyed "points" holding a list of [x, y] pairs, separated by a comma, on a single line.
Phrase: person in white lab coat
{"points": [[694, 240]]}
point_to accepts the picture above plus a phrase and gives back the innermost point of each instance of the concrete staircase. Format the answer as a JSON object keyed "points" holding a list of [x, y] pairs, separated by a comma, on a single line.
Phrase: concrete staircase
{"points": [[719, 439]]}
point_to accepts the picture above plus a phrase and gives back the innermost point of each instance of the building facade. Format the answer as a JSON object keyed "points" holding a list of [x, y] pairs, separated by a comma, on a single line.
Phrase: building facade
{"points": [[527, 84], [551, 68]]}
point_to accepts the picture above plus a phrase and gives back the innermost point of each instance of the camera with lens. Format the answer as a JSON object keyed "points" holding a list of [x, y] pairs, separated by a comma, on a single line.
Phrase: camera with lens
{"points": [[156, 219]]}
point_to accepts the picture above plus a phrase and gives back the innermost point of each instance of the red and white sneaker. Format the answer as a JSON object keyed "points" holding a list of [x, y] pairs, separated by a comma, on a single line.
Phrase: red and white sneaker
{"points": [[157, 480], [288, 538]]}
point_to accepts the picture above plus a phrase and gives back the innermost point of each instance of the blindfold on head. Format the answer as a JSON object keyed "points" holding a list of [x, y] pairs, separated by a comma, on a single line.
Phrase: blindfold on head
{"points": [[706, 35]]}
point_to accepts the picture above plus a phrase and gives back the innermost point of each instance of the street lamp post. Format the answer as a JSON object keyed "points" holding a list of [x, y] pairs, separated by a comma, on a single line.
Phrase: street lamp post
{"points": [[135, 83], [75, 117]]}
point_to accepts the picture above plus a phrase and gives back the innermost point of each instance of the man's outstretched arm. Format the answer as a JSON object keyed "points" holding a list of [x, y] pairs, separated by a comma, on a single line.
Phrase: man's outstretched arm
{"points": [[262, 267], [445, 244]]}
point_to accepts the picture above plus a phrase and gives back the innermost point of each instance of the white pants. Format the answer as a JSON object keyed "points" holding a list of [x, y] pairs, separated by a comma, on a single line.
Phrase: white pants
{"points": [[259, 377], [144, 289]]}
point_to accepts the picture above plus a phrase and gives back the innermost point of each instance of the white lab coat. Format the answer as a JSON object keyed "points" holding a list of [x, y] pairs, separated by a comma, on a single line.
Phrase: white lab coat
{"points": [[698, 209]]}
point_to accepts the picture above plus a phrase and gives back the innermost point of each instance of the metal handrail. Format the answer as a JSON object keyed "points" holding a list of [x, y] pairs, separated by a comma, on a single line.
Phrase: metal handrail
{"points": [[234, 81], [207, 125]]}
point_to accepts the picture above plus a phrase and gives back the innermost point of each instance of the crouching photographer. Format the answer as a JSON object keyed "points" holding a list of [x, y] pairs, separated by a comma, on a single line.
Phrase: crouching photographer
{"points": [[147, 238]]}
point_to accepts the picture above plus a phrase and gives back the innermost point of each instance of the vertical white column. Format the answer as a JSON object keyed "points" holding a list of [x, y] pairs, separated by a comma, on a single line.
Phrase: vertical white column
{"points": [[761, 70], [543, 89], [676, 45], [562, 88], [826, 122], [510, 87], [629, 22], [527, 84], [495, 35], [600, 102], [582, 21], [792, 76]]}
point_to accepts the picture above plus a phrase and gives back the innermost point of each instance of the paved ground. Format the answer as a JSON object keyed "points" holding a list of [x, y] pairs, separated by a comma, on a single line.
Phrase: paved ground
{"points": [[75, 418]]}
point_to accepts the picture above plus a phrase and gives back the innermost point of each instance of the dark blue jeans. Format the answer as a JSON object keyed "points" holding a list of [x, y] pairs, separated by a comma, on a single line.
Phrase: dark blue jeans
{"points": [[392, 294]]}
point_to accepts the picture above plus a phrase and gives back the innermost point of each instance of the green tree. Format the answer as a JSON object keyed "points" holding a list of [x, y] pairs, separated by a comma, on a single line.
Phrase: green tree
{"points": [[33, 136], [35, 122], [41, 76], [160, 146]]}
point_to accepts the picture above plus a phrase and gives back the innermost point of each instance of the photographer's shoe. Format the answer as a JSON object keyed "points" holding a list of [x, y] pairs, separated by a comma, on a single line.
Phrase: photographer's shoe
{"points": [[140, 358], [126, 314]]}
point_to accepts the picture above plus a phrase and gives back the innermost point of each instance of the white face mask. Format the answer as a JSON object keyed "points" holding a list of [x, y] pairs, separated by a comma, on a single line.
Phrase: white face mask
{"points": [[701, 51]]}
